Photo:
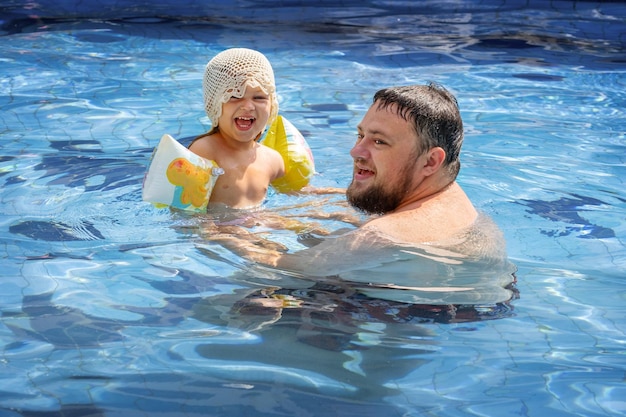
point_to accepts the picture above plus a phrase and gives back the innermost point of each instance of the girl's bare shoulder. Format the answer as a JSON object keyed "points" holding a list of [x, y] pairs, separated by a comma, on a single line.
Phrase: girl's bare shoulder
{"points": [[205, 145], [273, 158]]}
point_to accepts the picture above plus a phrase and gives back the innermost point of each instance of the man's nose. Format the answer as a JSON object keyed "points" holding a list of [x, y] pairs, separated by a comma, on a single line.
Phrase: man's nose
{"points": [[358, 151]]}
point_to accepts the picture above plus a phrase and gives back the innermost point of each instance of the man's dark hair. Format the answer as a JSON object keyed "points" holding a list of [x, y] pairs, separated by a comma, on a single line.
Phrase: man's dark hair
{"points": [[434, 114]]}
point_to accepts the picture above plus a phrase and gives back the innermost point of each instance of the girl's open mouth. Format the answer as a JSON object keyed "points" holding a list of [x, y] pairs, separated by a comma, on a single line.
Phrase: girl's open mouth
{"points": [[244, 123]]}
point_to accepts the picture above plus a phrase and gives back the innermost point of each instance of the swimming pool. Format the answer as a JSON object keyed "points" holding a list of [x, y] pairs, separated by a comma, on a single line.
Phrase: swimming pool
{"points": [[111, 307]]}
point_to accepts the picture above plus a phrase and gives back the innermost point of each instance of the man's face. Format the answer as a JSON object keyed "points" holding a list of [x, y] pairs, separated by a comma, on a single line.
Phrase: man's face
{"points": [[385, 162]]}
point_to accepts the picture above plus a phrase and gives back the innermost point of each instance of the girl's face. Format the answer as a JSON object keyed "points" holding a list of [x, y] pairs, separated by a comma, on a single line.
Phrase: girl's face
{"points": [[244, 119]]}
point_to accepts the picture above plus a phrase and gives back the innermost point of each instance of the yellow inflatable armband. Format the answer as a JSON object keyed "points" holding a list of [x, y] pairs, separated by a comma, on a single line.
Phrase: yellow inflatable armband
{"points": [[178, 177], [289, 142]]}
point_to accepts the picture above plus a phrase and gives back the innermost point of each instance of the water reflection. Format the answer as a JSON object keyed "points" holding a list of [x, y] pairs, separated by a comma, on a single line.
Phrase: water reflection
{"points": [[329, 337], [354, 333]]}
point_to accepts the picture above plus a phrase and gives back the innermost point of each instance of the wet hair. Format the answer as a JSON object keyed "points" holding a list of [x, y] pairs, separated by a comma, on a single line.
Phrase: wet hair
{"points": [[434, 114]]}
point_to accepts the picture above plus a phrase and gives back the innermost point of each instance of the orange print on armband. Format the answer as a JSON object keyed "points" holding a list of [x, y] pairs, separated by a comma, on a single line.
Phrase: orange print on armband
{"points": [[191, 178]]}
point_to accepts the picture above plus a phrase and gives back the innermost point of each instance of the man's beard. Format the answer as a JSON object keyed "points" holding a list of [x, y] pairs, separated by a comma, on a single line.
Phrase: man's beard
{"points": [[380, 198]]}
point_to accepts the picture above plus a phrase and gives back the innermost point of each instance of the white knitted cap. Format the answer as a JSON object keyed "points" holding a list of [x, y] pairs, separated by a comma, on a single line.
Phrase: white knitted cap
{"points": [[228, 74]]}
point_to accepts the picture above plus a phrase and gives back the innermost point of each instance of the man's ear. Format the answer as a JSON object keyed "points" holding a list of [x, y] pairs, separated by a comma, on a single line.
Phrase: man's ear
{"points": [[435, 159]]}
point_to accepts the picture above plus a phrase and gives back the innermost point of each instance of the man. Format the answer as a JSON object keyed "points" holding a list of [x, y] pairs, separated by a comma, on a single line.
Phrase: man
{"points": [[406, 160], [426, 253]]}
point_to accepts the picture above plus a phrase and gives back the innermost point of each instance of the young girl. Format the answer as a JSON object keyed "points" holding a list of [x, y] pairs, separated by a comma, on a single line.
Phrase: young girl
{"points": [[240, 99]]}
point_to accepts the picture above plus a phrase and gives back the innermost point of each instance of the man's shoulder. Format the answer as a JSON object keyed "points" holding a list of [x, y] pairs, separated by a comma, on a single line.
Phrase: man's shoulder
{"points": [[426, 223]]}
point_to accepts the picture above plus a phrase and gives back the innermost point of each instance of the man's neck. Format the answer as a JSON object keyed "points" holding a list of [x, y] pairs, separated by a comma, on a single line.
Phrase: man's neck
{"points": [[426, 193]]}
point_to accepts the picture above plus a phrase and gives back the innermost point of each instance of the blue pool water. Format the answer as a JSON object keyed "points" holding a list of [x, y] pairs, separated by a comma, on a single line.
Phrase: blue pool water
{"points": [[111, 307]]}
